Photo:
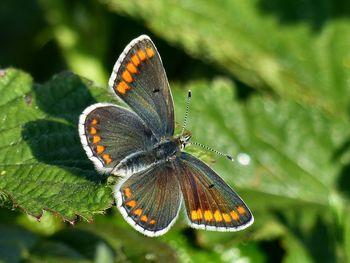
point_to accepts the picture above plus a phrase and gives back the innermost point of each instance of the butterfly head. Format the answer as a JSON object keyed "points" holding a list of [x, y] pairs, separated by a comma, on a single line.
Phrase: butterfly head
{"points": [[184, 139]]}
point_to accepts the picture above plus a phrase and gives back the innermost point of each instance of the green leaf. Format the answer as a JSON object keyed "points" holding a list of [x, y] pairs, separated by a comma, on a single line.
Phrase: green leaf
{"points": [[291, 146], [103, 241], [207, 246], [306, 59], [309, 235], [347, 236], [80, 30], [294, 151], [50, 251], [42, 164], [121, 243], [296, 252], [14, 241], [293, 165]]}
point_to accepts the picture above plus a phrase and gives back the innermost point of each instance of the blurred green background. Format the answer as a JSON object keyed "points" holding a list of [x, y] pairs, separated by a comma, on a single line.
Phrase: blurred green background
{"points": [[268, 78]]}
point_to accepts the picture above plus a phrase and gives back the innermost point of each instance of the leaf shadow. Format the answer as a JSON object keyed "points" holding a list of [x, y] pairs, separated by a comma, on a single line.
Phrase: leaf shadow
{"points": [[54, 140], [315, 13], [65, 96], [83, 241], [343, 183], [317, 239]]}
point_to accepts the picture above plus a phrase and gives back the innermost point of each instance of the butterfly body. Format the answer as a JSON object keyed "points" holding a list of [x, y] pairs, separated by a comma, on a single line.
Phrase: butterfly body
{"points": [[139, 146], [163, 152]]}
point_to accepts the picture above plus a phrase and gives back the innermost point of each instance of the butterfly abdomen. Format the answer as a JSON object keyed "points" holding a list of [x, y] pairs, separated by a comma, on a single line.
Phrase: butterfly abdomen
{"points": [[134, 163]]}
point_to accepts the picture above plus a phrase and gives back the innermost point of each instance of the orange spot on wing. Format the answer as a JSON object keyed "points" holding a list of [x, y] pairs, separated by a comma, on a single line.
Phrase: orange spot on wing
{"points": [[93, 130], [152, 222], [122, 87], [94, 122], [217, 216], [100, 149], [96, 139], [142, 55], [194, 215], [131, 67], [234, 215], [144, 218], [199, 213], [138, 212], [150, 52], [226, 217], [208, 215], [241, 210], [135, 59], [127, 192], [107, 158], [127, 76], [131, 203]]}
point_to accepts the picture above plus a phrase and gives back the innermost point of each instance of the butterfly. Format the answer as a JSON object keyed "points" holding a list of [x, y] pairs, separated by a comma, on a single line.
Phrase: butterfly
{"points": [[139, 146]]}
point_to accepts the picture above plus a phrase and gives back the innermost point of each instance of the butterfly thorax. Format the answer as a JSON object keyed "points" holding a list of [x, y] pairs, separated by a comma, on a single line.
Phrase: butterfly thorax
{"points": [[164, 151]]}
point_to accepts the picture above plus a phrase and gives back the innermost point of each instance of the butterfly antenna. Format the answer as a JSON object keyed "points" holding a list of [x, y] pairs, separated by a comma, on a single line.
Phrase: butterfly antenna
{"points": [[186, 113], [212, 150]]}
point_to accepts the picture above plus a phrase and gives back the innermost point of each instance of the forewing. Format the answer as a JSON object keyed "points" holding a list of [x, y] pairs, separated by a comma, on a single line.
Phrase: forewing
{"points": [[150, 200], [109, 133], [139, 79], [210, 203]]}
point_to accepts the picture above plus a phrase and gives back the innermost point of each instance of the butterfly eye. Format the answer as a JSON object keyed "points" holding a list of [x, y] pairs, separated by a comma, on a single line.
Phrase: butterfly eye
{"points": [[184, 139]]}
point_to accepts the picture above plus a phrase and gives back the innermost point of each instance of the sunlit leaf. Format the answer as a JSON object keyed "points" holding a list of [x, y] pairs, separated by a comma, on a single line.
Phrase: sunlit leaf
{"points": [[300, 53]]}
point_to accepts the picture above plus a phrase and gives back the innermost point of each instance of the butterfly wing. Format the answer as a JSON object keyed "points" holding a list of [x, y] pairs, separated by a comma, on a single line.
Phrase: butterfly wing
{"points": [[150, 200], [110, 133], [210, 203], [139, 79]]}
